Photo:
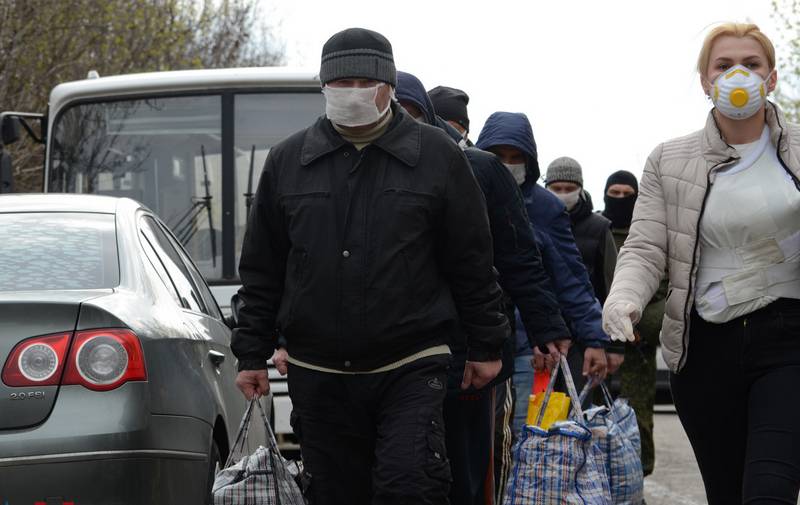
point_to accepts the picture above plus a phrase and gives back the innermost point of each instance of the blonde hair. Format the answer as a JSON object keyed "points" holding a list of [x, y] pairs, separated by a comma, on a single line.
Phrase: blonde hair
{"points": [[734, 30]]}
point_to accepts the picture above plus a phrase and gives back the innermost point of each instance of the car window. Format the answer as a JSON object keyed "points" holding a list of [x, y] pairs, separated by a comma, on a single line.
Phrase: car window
{"points": [[57, 250], [189, 296], [199, 282], [159, 267]]}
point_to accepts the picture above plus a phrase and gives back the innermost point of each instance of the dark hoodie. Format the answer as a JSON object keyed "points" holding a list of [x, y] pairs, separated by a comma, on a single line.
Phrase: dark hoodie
{"points": [[595, 242], [410, 89], [516, 257], [552, 231]]}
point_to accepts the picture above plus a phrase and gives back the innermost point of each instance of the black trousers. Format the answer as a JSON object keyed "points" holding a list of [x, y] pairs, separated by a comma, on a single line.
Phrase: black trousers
{"points": [[738, 398], [373, 438], [468, 420]]}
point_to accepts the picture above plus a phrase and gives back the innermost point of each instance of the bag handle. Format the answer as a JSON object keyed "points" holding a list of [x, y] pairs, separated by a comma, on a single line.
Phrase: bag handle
{"points": [[244, 430], [590, 384], [241, 434], [272, 440], [571, 391], [274, 453]]}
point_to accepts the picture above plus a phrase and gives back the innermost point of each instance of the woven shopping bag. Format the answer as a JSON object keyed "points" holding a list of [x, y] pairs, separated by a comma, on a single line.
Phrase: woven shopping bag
{"points": [[560, 465], [260, 478], [616, 434]]}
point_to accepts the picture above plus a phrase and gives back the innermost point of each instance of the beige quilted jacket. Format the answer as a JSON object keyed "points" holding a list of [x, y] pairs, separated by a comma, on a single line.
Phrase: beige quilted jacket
{"points": [[663, 234]]}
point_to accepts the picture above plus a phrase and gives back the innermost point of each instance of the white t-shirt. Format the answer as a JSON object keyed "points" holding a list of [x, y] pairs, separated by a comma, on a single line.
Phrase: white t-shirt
{"points": [[750, 224]]}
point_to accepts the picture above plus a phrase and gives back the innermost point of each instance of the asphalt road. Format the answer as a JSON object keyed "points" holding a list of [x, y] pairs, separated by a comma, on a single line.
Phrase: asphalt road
{"points": [[675, 479]]}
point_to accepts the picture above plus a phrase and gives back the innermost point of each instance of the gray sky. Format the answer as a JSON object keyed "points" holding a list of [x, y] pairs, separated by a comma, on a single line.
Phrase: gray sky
{"points": [[601, 81]]}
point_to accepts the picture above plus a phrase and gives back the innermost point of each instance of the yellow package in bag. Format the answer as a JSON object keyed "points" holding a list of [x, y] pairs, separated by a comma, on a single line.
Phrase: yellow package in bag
{"points": [[557, 409]]}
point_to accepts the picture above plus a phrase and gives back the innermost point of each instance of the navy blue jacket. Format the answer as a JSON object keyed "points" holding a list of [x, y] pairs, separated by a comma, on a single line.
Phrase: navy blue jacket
{"points": [[522, 275], [553, 232]]}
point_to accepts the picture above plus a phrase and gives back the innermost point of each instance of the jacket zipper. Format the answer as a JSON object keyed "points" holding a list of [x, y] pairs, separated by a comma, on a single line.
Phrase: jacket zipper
{"points": [[780, 159], [682, 360]]}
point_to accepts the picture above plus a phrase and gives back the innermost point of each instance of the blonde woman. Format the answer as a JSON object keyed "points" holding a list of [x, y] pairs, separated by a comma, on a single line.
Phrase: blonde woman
{"points": [[721, 209]]}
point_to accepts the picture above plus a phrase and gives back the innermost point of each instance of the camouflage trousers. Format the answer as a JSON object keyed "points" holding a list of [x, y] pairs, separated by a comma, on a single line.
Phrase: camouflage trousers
{"points": [[638, 385]]}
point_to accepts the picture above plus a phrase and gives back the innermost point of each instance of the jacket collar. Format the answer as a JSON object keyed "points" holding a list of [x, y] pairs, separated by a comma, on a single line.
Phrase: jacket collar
{"points": [[778, 127], [402, 139], [582, 209], [716, 150]]}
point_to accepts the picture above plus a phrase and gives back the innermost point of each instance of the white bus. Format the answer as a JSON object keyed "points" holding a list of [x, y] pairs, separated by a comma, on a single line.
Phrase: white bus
{"points": [[190, 145]]}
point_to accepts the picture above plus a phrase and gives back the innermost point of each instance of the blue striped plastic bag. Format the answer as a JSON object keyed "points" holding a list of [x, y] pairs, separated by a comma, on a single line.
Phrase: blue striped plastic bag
{"points": [[616, 435], [625, 417], [560, 465]]}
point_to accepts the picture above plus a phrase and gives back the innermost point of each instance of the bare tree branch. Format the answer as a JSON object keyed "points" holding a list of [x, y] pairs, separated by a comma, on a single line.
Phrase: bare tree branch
{"points": [[47, 42]]}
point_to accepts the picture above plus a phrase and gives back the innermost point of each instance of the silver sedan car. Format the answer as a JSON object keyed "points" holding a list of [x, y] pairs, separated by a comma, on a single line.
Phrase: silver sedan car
{"points": [[117, 375]]}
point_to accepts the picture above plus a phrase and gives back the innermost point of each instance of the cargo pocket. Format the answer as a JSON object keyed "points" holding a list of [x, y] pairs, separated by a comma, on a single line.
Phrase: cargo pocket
{"points": [[436, 464]]}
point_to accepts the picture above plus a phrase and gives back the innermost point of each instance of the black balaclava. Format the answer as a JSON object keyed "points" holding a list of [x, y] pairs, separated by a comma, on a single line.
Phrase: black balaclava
{"points": [[620, 210]]}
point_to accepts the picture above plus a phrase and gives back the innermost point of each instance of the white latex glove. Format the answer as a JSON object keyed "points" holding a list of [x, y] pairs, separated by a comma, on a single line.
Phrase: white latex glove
{"points": [[618, 320]]}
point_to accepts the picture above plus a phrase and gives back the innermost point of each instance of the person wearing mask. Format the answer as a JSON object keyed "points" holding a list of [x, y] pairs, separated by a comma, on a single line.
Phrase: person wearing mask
{"points": [[718, 211], [592, 231], [367, 246], [469, 414], [638, 372], [451, 105], [510, 137], [621, 191]]}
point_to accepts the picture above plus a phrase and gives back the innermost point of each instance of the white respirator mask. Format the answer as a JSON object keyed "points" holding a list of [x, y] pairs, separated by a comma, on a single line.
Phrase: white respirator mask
{"points": [[518, 171], [569, 199], [739, 93], [353, 106]]}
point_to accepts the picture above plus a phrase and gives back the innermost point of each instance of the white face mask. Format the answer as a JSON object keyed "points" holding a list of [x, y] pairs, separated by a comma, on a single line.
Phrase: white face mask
{"points": [[353, 106], [569, 199], [738, 93], [517, 170]]}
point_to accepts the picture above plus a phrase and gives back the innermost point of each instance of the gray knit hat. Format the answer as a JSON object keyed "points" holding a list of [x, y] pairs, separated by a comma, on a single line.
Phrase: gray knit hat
{"points": [[564, 169], [358, 53]]}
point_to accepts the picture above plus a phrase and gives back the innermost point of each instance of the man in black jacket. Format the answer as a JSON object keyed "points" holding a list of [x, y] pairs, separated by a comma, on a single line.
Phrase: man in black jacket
{"points": [[469, 415], [368, 244]]}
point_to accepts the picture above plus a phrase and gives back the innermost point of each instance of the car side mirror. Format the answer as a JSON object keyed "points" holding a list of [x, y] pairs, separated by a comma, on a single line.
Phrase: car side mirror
{"points": [[9, 130], [236, 304], [6, 173]]}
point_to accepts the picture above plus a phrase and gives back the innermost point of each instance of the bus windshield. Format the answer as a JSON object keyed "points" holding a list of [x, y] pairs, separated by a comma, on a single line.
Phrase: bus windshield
{"points": [[167, 152]]}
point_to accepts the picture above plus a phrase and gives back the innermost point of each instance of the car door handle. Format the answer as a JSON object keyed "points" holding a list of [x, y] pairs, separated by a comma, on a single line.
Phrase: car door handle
{"points": [[216, 357]]}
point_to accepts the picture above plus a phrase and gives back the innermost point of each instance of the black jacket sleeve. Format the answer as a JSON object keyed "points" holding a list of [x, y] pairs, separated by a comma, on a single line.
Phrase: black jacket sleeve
{"points": [[466, 260], [262, 269], [517, 257], [606, 263]]}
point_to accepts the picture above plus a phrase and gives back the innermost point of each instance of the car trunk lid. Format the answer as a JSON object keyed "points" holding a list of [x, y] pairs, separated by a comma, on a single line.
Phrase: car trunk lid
{"points": [[23, 316]]}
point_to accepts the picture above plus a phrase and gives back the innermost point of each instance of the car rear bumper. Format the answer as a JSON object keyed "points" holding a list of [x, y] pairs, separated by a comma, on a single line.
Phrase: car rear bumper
{"points": [[106, 449], [107, 478]]}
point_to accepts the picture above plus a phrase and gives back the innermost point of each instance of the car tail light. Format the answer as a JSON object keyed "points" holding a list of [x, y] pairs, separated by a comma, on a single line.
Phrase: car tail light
{"points": [[102, 360], [37, 361]]}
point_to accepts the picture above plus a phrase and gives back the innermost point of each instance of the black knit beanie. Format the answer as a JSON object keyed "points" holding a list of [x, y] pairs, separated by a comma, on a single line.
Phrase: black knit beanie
{"points": [[450, 104], [622, 177], [358, 53]]}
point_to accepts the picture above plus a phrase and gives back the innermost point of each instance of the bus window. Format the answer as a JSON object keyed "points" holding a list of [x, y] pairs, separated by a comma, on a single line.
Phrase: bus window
{"points": [[163, 152], [263, 120], [166, 152]]}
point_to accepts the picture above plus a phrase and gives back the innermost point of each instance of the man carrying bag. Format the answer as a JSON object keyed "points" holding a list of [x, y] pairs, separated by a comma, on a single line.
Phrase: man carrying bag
{"points": [[368, 242]]}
